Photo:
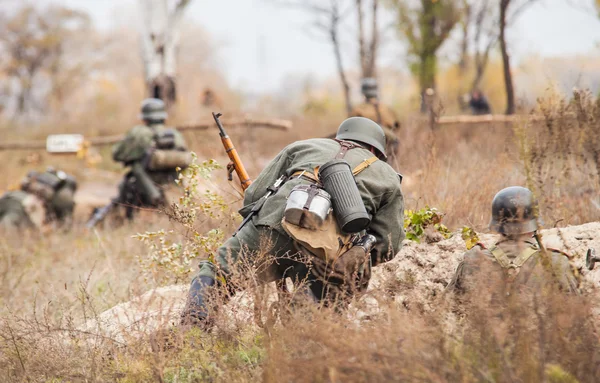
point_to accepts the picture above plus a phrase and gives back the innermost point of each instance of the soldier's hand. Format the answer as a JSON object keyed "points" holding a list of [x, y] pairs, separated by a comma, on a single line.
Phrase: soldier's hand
{"points": [[350, 262]]}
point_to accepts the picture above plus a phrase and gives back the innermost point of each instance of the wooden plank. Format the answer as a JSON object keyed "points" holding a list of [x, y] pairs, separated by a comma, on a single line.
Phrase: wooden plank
{"points": [[109, 140]]}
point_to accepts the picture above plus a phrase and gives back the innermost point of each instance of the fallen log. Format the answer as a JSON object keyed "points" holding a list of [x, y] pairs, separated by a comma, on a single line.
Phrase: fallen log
{"points": [[109, 140]]}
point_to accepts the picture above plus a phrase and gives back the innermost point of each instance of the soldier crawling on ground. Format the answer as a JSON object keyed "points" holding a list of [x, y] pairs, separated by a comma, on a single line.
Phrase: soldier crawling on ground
{"points": [[44, 201], [333, 256], [153, 152], [516, 260], [372, 109]]}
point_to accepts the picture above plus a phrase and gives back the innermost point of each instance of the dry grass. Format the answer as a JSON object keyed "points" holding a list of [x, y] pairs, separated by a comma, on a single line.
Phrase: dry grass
{"points": [[51, 284]]}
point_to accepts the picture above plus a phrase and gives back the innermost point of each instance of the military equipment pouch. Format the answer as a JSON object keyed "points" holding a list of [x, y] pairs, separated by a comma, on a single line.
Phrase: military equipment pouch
{"points": [[165, 139], [327, 242], [337, 179], [44, 185], [307, 206], [158, 159]]}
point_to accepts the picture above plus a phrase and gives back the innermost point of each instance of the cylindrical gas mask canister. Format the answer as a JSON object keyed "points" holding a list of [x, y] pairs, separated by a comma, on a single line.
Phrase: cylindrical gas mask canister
{"points": [[338, 180]]}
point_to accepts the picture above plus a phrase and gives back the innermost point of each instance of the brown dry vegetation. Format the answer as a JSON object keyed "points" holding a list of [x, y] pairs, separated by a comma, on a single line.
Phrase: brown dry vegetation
{"points": [[51, 285]]}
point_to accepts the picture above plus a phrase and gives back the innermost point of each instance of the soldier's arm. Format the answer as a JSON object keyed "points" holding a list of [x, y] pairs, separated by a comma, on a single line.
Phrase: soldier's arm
{"points": [[564, 272], [387, 225], [133, 147], [455, 282], [467, 267]]}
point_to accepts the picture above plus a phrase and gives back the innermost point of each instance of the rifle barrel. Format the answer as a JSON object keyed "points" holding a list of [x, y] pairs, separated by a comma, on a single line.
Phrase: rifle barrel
{"points": [[219, 125]]}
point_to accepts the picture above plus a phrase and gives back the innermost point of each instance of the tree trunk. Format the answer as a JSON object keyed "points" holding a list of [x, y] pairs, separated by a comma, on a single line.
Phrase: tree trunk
{"points": [[160, 39], [338, 59], [367, 50], [427, 72], [508, 81]]}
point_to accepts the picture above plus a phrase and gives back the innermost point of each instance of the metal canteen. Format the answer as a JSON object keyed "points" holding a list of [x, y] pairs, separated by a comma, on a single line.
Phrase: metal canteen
{"points": [[307, 206]]}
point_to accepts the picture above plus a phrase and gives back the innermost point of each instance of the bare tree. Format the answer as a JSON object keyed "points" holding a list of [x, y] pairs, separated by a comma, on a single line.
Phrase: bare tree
{"points": [[368, 47], [485, 37], [160, 40], [509, 11], [33, 46], [327, 18]]}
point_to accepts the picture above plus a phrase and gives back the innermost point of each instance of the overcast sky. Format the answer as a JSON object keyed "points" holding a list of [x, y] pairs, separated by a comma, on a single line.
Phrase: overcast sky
{"points": [[255, 34]]}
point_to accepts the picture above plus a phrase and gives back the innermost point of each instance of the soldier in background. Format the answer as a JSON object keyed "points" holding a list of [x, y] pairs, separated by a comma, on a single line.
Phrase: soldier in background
{"points": [[210, 100], [372, 109], [153, 152], [479, 104], [516, 260], [44, 200]]}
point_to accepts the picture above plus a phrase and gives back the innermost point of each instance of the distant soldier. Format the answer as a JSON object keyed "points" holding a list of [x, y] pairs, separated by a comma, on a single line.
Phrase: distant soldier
{"points": [[44, 199], [210, 100], [153, 152], [479, 104], [380, 113], [516, 260]]}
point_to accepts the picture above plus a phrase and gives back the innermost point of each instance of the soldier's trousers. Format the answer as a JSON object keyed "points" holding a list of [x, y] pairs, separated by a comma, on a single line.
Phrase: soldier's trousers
{"points": [[261, 254], [13, 216]]}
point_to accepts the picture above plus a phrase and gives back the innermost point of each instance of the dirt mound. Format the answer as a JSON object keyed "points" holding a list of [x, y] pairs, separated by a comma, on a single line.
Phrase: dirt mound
{"points": [[421, 271], [418, 274]]}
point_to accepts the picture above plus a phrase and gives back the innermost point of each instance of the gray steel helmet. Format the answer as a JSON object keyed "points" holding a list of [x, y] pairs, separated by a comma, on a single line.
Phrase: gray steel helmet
{"points": [[153, 109], [514, 211], [364, 131], [368, 87]]}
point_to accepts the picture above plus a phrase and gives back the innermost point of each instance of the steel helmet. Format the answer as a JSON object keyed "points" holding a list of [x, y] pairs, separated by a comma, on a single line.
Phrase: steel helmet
{"points": [[368, 87], [153, 109], [363, 130], [514, 211]]}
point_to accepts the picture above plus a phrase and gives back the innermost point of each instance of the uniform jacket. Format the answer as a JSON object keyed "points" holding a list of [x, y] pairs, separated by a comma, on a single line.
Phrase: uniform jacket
{"points": [[379, 186], [532, 273]]}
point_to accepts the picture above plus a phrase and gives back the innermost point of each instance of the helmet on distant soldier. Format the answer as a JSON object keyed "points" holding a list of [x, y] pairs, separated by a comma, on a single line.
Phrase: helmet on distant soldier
{"points": [[153, 110], [514, 211], [365, 131], [368, 87]]}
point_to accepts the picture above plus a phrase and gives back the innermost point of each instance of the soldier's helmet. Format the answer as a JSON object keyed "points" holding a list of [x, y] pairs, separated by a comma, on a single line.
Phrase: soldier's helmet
{"points": [[368, 87], [153, 110], [514, 211], [363, 130]]}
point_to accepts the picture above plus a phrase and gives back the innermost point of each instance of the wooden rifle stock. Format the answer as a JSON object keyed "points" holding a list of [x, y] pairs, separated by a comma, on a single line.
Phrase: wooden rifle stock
{"points": [[236, 162]]}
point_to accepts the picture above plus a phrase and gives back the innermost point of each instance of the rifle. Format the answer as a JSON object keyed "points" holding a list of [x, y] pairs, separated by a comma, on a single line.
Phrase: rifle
{"points": [[236, 162], [100, 213], [237, 166], [255, 209]]}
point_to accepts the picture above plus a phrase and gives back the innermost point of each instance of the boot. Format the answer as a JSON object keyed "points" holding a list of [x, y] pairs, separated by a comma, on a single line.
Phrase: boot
{"points": [[196, 308]]}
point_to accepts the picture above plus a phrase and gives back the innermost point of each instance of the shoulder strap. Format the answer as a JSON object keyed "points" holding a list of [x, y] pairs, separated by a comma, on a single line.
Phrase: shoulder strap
{"points": [[363, 165], [500, 257], [519, 261], [524, 256], [344, 147]]}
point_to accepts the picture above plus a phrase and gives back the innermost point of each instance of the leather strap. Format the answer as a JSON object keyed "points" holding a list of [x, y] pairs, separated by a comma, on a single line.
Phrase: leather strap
{"points": [[517, 262], [312, 193], [312, 176], [363, 165], [344, 147]]}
